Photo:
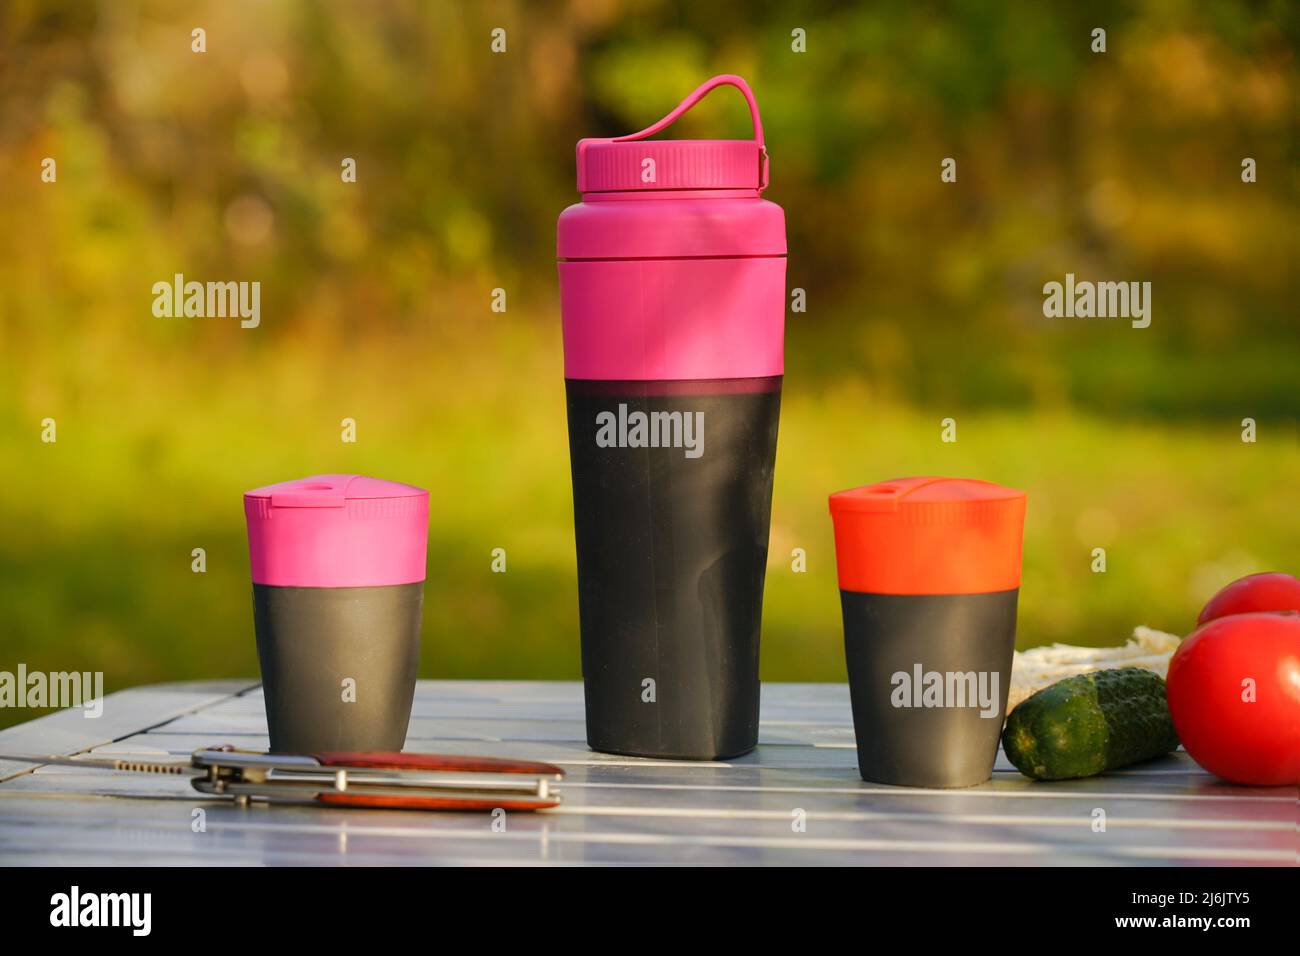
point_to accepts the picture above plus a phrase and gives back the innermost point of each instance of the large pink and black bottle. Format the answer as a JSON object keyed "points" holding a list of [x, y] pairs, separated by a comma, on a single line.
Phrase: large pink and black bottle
{"points": [[672, 285]]}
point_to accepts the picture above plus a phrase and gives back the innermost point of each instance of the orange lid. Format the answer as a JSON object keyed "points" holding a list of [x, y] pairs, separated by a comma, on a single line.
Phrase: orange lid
{"points": [[928, 536]]}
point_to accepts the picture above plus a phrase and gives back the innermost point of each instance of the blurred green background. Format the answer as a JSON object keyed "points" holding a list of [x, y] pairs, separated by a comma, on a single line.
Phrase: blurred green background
{"points": [[924, 298]]}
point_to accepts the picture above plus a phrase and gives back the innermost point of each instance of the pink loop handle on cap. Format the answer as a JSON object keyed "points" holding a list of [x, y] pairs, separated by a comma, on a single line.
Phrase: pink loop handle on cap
{"points": [[701, 91], [610, 175]]}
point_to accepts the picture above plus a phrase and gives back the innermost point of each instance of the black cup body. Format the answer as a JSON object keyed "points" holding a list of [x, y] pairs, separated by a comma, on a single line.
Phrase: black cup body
{"points": [[338, 665], [672, 551], [928, 677]]}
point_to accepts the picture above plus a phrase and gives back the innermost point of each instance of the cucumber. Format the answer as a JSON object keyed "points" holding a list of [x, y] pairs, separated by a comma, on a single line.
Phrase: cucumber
{"points": [[1089, 724]]}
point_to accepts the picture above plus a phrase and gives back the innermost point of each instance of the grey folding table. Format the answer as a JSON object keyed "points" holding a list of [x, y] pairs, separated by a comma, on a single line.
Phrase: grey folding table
{"points": [[797, 799]]}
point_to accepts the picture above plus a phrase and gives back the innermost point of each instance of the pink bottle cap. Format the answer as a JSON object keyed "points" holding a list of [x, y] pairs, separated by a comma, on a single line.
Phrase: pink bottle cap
{"points": [[679, 276], [633, 163], [337, 531]]}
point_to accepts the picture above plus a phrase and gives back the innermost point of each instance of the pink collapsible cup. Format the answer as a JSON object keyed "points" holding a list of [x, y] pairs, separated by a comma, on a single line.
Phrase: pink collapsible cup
{"points": [[338, 585], [672, 288]]}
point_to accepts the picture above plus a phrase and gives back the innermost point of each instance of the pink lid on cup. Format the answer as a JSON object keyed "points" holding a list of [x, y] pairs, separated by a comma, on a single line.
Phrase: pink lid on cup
{"points": [[337, 531]]}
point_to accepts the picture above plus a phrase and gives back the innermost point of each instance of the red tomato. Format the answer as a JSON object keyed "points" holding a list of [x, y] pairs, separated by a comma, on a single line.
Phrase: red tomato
{"points": [[1270, 591], [1234, 694]]}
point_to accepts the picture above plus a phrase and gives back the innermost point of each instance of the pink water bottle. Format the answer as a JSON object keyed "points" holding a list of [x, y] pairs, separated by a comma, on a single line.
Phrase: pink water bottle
{"points": [[672, 286]]}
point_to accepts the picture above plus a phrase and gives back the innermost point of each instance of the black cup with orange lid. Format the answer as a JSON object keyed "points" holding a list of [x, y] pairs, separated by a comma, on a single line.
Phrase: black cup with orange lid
{"points": [[929, 576]]}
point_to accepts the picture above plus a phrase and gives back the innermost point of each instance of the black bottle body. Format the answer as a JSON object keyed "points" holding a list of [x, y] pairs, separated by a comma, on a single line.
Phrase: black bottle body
{"points": [[672, 490]]}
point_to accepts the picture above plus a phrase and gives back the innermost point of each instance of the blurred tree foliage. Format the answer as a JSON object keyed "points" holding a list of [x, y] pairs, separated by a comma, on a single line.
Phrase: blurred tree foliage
{"points": [[1113, 166]]}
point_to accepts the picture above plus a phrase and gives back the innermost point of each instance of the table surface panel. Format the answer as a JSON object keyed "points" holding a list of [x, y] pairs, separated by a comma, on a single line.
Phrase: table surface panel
{"points": [[617, 810]]}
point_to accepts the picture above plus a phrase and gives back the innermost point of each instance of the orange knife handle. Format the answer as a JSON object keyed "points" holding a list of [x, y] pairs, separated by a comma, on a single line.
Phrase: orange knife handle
{"points": [[380, 760], [397, 802]]}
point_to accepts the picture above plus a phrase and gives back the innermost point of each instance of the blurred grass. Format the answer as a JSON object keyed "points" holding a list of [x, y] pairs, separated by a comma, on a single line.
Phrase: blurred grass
{"points": [[924, 298], [100, 526]]}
